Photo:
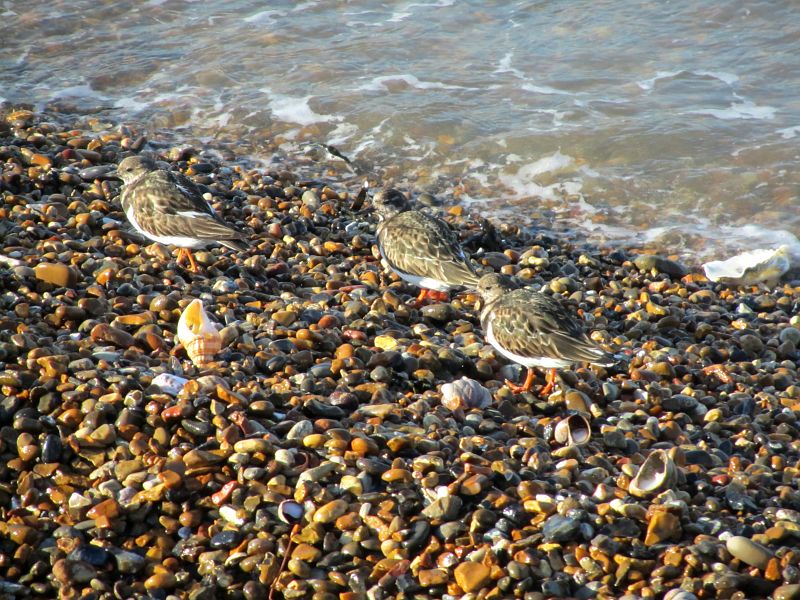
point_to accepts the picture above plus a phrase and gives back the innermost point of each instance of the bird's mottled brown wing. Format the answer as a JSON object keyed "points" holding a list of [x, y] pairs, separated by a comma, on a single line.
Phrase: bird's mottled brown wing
{"points": [[169, 204], [416, 243], [534, 325]]}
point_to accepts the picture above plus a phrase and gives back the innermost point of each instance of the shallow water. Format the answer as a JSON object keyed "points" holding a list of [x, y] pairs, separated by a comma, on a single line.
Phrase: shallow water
{"points": [[667, 124]]}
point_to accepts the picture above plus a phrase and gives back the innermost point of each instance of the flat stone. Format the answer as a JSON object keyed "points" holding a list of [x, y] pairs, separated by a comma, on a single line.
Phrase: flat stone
{"points": [[432, 577], [57, 274], [331, 511], [472, 576], [663, 526], [107, 508], [748, 551], [443, 509]]}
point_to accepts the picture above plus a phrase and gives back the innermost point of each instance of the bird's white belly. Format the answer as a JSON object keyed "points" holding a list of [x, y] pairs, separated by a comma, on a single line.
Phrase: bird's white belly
{"points": [[526, 361], [176, 240], [424, 282], [417, 280]]}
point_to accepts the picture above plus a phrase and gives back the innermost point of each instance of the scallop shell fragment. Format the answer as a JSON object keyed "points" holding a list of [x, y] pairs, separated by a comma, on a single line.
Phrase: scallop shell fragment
{"points": [[750, 267], [197, 334], [657, 473]]}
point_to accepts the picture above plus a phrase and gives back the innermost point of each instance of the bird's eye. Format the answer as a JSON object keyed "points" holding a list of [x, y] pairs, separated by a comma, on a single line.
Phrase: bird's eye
{"points": [[129, 169]]}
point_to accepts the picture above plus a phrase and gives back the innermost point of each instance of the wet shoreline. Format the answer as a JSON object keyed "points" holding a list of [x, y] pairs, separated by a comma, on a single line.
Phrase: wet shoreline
{"points": [[330, 395]]}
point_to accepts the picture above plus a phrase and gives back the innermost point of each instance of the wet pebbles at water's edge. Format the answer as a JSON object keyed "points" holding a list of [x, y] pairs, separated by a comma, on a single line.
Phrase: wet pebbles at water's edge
{"points": [[378, 438]]}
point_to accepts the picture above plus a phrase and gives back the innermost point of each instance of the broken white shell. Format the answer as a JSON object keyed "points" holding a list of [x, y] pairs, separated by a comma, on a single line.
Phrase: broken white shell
{"points": [[465, 393], [657, 473], [750, 267], [575, 430], [290, 512], [169, 383], [197, 334]]}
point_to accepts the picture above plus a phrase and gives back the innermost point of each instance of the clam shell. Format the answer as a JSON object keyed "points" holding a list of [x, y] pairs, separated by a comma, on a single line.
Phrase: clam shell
{"points": [[657, 473], [575, 430], [750, 267], [197, 334]]}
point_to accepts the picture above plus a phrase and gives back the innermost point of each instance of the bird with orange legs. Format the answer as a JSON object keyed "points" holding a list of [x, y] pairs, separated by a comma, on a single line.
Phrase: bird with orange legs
{"points": [[169, 208], [534, 330], [422, 249]]}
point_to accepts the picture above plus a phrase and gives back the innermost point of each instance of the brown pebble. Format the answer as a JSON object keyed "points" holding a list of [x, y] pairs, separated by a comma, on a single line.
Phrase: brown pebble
{"points": [[432, 577], [58, 274], [161, 581], [471, 576]]}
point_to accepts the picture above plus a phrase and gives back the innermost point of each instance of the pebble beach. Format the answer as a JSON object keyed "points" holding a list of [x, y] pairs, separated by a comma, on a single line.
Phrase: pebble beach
{"points": [[343, 445]]}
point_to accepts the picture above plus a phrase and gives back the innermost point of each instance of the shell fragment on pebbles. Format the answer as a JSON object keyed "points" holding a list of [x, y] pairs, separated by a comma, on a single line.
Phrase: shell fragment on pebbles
{"points": [[169, 383], [657, 473], [575, 430], [465, 393], [750, 267], [197, 334]]}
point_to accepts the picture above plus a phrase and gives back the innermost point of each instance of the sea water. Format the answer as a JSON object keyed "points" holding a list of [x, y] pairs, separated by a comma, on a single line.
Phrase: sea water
{"points": [[672, 125]]}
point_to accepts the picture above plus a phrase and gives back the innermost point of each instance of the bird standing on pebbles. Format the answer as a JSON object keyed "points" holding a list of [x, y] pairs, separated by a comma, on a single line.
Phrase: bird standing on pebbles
{"points": [[534, 330], [420, 248], [169, 208]]}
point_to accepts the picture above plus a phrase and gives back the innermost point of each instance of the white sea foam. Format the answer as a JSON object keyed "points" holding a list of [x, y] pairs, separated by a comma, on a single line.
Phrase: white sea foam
{"points": [[131, 105], [523, 184], [789, 132], [369, 138], [78, 91], [296, 110], [648, 84], [381, 83], [264, 17], [547, 164], [504, 66], [305, 5], [406, 11], [738, 110], [341, 133], [729, 78], [543, 89]]}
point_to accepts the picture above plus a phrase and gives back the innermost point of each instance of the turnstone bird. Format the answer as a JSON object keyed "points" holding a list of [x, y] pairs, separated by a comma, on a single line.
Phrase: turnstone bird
{"points": [[169, 208], [534, 330], [420, 248]]}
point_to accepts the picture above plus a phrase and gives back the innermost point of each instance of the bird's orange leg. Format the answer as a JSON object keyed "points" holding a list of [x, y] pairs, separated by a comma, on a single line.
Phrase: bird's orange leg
{"points": [[552, 375], [525, 387], [423, 294], [426, 294], [186, 253], [180, 256], [192, 264]]}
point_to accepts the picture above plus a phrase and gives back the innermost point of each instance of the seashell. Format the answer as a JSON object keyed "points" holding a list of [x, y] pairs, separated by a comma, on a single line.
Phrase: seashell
{"points": [[465, 393], [197, 334], [290, 512], [657, 473], [169, 383], [575, 430], [750, 267]]}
